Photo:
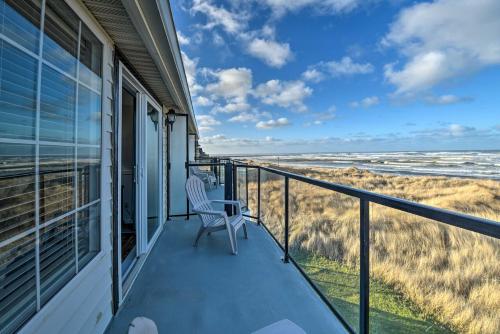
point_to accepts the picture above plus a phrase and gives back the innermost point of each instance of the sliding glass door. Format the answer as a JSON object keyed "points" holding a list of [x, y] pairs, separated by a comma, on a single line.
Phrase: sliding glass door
{"points": [[153, 163]]}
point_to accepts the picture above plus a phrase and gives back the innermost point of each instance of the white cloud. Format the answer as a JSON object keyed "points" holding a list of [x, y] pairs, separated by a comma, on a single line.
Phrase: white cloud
{"points": [[219, 16], [367, 102], [231, 107], [271, 124], [270, 52], [281, 7], [191, 72], [206, 123], [447, 99], [202, 101], [244, 117], [443, 40], [217, 39], [183, 39], [286, 94], [313, 75], [232, 84], [346, 66]]}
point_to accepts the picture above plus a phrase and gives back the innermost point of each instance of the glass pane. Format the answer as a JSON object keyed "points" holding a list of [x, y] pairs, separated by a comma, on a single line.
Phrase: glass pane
{"points": [[57, 108], [18, 73], [60, 44], [89, 234], [252, 191], [272, 204], [57, 257], [90, 59], [89, 116], [17, 189], [153, 176], [241, 186], [324, 241], [17, 283], [20, 21], [56, 181], [89, 174], [431, 277]]}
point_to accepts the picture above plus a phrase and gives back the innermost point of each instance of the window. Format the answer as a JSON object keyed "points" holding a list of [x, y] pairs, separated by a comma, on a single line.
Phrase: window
{"points": [[50, 153]]}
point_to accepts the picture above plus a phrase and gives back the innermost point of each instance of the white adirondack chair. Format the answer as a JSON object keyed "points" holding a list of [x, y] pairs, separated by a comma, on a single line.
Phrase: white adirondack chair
{"points": [[213, 220], [208, 177]]}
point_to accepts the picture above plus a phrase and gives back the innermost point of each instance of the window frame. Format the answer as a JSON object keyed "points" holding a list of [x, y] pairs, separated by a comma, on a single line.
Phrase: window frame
{"points": [[36, 143]]}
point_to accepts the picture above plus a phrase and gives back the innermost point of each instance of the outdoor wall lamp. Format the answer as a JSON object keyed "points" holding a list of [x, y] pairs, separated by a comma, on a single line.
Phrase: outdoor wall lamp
{"points": [[153, 114], [170, 118]]}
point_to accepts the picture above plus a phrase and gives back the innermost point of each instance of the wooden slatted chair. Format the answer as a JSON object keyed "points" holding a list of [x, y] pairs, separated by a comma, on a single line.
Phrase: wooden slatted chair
{"points": [[213, 220]]}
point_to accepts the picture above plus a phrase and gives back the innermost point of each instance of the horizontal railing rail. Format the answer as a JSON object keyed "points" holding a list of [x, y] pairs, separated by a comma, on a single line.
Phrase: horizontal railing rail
{"points": [[467, 222]]}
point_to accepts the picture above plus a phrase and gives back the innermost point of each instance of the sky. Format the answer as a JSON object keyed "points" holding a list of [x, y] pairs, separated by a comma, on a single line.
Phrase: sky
{"points": [[283, 76]]}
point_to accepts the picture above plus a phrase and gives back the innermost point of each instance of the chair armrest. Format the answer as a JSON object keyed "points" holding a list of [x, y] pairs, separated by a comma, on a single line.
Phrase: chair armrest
{"points": [[210, 212], [237, 204]]}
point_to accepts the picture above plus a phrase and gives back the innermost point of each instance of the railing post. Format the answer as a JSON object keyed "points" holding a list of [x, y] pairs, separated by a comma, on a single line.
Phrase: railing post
{"points": [[228, 187], [364, 280], [246, 187], [235, 182], [286, 257], [258, 195]]}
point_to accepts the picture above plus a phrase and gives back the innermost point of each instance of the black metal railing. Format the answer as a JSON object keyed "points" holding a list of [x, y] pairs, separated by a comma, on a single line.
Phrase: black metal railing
{"points": [[463, 221]]}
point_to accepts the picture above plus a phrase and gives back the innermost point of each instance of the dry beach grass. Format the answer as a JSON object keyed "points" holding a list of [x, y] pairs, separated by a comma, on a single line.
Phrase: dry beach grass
{"points": [[451, 275]]}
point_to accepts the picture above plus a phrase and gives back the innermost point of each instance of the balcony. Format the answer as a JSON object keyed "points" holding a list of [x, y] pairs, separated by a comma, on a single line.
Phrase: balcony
{"points": [[184, 289]]}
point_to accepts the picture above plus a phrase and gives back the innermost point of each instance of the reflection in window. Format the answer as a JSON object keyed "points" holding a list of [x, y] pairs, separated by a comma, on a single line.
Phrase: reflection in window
{"points": [[56, 181], [89, 174], [89, 116], [20, 21], [57, 107], [18, 73], [89, 237], [17, 189], [90, 59], [57, 257], [60, 44], [17, 283]]}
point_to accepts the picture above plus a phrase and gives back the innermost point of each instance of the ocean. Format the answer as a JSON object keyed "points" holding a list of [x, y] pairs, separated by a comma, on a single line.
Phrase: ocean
{"points": [[474, 164]]}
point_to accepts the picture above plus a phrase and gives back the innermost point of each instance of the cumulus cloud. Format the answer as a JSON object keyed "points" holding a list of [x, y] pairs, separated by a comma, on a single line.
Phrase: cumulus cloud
{"points": [[281, 7], [231, 107], [447, 99], [443, 40], [202, 101], [271, 124], [190, 68], [286, 94], [232, 83], [367, 102], [231, 22], [206, 123], [272, 53], [336, 68], [183, 39]]}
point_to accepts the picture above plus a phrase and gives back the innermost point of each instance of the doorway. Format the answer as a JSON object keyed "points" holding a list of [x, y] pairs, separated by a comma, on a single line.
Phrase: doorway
{"points": [[128, 181]]}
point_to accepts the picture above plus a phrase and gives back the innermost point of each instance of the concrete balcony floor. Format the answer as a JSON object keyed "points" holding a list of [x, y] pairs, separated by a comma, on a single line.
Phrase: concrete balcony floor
{"points": [[184, 289]]}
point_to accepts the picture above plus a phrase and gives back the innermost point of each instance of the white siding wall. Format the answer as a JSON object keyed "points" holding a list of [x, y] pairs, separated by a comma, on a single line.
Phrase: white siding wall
{"points": [[84, 304]]}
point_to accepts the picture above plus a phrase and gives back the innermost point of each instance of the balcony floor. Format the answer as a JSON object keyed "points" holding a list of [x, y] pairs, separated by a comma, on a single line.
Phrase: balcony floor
{"points": [[184, 289]]}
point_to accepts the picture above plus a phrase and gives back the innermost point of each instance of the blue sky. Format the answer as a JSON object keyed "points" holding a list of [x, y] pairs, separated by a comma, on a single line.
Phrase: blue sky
{"points": [[280, 76]]}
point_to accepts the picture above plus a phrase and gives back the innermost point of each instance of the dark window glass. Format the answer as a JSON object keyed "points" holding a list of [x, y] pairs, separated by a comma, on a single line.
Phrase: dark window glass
{"points": [[17, 283], [89, 174], [57, 257], [90, 59], [56, 181], [89, 116], [60, 44], [20, 21], [57, 108], [18, 73], [89, 234], [17, 189]]}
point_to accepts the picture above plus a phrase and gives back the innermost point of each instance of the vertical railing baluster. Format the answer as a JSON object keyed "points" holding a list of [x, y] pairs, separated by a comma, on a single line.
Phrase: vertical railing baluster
{"points": [[228, 187], [364, 280], [258, 195], [286, 257]]}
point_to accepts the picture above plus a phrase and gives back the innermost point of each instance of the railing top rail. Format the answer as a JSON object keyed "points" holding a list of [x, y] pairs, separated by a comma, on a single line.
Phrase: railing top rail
{"points": [[203, 164], [468, 222]]}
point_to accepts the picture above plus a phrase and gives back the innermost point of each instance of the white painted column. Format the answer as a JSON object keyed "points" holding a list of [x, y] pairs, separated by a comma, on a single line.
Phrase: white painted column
{"points": [[177, 166], [192, 147]]}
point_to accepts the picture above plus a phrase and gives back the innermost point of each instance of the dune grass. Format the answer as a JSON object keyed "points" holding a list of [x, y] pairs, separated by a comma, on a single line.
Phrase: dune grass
{"points": [[443, 273]]}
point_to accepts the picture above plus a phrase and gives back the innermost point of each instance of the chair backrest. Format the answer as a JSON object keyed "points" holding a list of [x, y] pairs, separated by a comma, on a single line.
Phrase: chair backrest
{"points": [[195, 189]]}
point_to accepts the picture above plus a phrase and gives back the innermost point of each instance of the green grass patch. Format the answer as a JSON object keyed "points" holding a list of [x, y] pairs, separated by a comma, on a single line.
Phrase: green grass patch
{"points": [[390, 312]]}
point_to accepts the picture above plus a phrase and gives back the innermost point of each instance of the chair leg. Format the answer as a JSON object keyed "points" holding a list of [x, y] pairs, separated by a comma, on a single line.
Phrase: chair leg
{"points": [[245, 230], [232, 240], [200, 233]]}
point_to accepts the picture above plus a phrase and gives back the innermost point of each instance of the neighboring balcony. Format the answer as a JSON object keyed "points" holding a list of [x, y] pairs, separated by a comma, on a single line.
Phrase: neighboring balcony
{"points": [[184, 289]]}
